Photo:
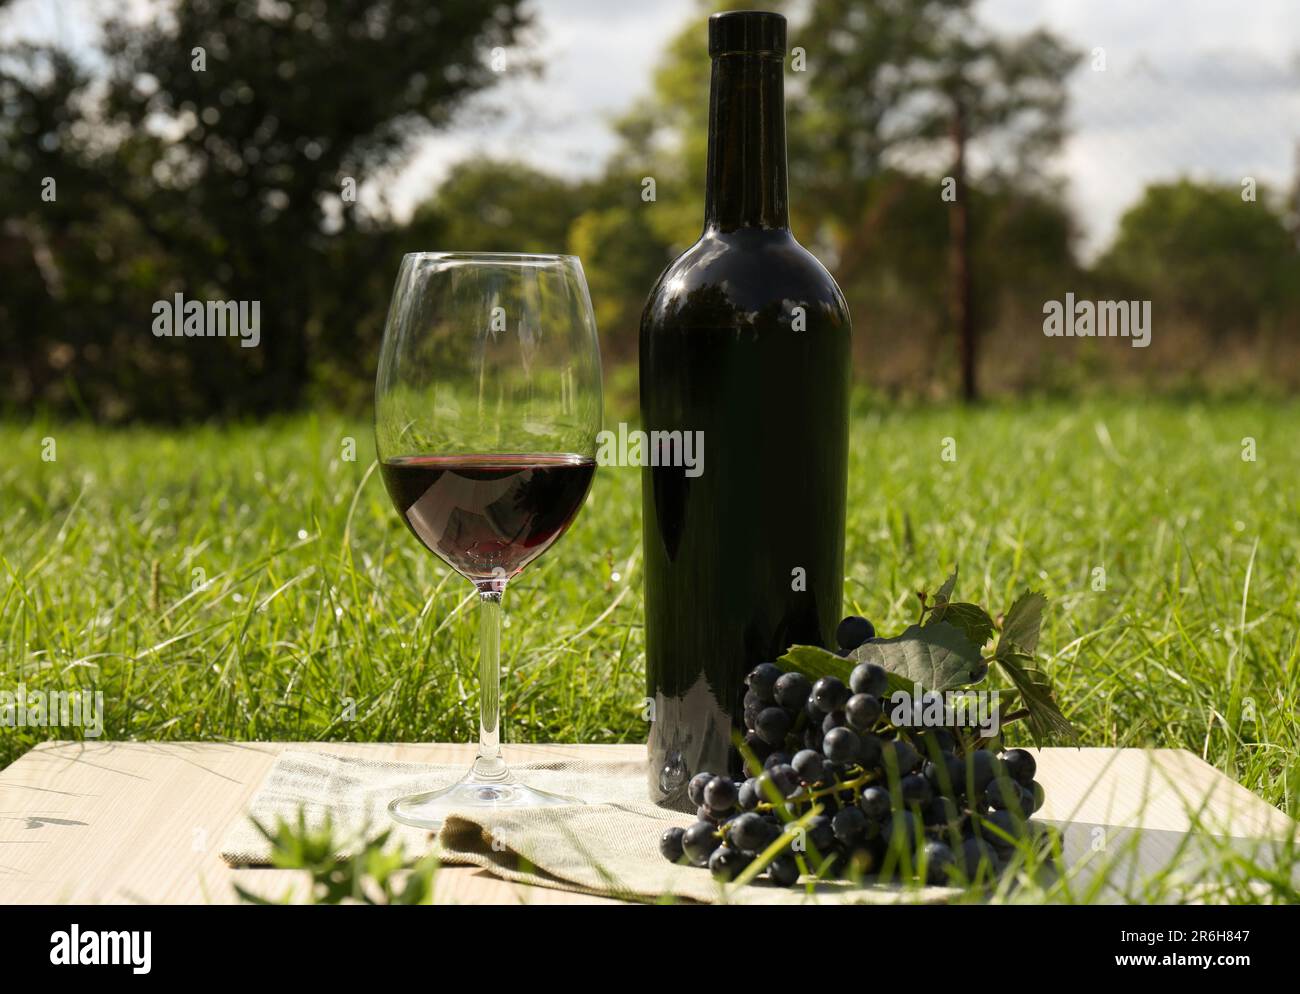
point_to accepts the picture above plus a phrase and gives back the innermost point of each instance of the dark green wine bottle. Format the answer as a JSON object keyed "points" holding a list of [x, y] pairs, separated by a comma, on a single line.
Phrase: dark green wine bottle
{"points": [[745, 340]]}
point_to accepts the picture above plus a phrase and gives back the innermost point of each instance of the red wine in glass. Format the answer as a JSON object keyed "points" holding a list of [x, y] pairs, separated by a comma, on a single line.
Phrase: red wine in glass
{"points": [[488, 516]]}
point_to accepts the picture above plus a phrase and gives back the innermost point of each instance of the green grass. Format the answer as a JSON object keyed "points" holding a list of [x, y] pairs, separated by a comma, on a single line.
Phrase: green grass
{"points": [[248, 583]]}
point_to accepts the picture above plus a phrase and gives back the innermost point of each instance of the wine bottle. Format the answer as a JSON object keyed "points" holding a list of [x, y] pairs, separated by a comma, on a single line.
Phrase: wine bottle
{"points": [[745, 340]]}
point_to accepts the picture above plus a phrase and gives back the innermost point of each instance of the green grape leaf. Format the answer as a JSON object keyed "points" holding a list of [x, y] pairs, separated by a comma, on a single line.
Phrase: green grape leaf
{"points": [[813, 662], [944, 593], [937, 655], [1021, 624], [972, 619], [1043, 715]]}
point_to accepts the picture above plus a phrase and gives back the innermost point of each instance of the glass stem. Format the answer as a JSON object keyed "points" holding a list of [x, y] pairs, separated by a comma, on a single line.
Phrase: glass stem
{"points": [[489, 765]]}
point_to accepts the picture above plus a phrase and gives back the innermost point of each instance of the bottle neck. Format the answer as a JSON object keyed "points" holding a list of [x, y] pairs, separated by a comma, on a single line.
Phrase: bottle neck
{"points": [[746, 184]]}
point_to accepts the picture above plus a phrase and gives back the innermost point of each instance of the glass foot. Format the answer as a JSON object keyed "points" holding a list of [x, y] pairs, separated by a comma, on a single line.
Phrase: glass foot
{"points": [[429, 810]]}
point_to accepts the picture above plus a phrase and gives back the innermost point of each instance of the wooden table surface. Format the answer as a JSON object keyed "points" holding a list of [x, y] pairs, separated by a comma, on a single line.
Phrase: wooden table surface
{"points": [[115, 822]]}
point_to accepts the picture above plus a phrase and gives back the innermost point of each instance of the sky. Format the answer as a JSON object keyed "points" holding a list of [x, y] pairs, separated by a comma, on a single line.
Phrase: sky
{"points": [[1202, 88]]}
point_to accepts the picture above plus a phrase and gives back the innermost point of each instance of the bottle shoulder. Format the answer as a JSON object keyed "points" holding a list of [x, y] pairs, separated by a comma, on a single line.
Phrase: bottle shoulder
{"points": [[736, 276]]}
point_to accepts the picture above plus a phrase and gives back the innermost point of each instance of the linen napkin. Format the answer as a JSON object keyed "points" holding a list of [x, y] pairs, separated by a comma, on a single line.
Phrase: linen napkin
{"points": [[607, 846]]}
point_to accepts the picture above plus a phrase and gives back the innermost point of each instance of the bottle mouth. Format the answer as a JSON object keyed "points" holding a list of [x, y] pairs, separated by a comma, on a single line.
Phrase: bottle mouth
{"points": [[747, 32]]}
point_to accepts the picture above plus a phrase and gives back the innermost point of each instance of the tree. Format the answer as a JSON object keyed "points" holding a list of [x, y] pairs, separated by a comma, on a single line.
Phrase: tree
{"points": [[648, 204], [1204, 251], [219, 162], [906, 81], [489, 205]]}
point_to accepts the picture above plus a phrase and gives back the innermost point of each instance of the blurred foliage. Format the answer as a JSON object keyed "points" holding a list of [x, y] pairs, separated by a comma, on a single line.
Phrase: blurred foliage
{"points": [[1161, 250], [210, 155], [228, 183], [343, 869]]}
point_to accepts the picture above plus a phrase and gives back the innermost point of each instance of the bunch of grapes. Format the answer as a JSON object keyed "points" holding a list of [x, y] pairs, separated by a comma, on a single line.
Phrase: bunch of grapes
{"points": [[828, 786]]}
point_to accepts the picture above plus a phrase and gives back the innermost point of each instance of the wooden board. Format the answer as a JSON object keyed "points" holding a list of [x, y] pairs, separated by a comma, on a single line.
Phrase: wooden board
{"points": [[114, 822]]}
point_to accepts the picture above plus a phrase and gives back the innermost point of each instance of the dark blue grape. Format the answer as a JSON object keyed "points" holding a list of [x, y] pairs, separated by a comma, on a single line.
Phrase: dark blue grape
{"points": [[783, 778], [757, 746], [975, 852], [915, 790], [830, 694], [772, 725], [875, 803], [937, 858], [900, 758], [947, 776], [720, 794], [1034, 796], [870, 751], [840, 745], [941, 812], [899, 834], [981, 767], [850, 826], [792, 690], [695, 789], [935, 741], [784, 870], [835, 772], [699, 841], [778, 758], [1020, 765], [726, 863], [670, 843], [1003, 822], [835, 719], [747, 796], [1003, 793], [862, 711], [853, 631], [750, 832], [819, 833], [809, 765], [762, 681], [869, 678]]}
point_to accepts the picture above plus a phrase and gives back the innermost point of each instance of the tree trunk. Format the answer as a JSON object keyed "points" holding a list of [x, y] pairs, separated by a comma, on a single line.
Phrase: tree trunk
{"points": [[960, 312]]}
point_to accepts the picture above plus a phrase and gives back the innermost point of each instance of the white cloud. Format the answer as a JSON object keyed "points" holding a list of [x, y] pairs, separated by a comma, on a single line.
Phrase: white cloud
{"points": [[1197, 88], [596, 59]]}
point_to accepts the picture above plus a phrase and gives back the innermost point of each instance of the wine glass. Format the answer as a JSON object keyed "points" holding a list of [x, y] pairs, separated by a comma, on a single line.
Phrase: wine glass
{"points": [[487, 408]]}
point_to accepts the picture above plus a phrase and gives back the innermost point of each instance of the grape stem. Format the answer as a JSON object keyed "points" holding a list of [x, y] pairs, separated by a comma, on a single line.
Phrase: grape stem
{"points": [[854, 784]]}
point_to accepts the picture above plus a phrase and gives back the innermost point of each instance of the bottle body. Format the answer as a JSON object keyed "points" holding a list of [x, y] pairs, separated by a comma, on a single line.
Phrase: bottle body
{"points": [[745, 339]]}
